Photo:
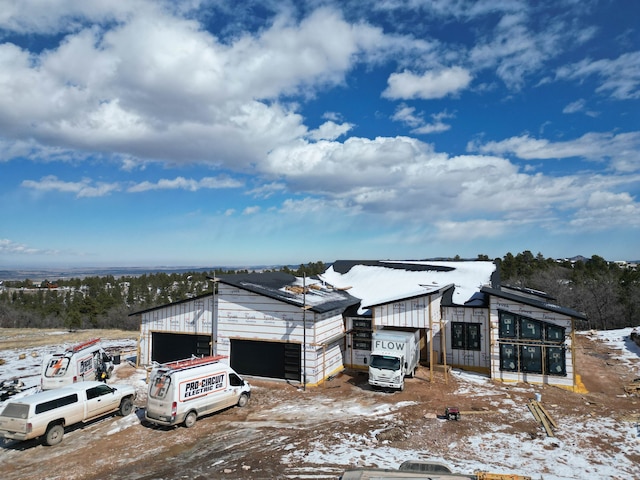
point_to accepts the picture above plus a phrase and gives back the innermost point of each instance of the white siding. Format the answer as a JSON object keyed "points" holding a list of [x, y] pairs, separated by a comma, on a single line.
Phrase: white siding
{"points": [[250, 316], [473, 359], [192, 317]]}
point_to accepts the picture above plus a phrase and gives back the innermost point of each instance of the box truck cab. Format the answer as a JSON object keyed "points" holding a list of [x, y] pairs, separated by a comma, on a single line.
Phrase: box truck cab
{"points": [[181, 392], [394, 355], [81, 362]]}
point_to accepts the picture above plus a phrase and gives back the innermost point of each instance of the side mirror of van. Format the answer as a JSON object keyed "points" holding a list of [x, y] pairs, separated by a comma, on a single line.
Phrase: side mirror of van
{"points": [[365, 360]]}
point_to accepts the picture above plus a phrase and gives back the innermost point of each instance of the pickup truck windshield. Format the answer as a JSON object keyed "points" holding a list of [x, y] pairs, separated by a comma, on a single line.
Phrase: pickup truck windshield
{"points": [[57, 367], [385, 362], [159, 385]]}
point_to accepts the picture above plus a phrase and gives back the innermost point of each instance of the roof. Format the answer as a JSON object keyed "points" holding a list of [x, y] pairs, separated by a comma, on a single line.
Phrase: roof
{"points": [[288, 288], [178, 302], [527, 300], [47, 395], [377, 282]]}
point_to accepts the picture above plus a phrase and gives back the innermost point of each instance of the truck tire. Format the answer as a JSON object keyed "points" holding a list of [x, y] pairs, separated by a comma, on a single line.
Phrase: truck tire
{"points": [[243, 400], [54, 434], [126, 406], [190, 419]]}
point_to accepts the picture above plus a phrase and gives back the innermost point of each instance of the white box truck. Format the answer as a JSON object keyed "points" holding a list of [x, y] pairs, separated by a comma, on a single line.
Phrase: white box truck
{"points": [[81, 362], [394, 355], [46, 414], [183, 391]]}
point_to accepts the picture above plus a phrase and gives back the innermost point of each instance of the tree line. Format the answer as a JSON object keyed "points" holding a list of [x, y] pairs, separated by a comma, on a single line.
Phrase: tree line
{"points": [[608, 294]]}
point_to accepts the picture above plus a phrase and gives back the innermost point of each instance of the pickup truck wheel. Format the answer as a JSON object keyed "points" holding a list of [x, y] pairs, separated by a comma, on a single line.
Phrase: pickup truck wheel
{"points": [[190, 419], [54, 435], [126, 407], [243, 400]]}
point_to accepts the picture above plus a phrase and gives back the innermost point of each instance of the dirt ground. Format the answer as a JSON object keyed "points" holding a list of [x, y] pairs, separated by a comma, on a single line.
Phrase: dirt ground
{"points": [[285, 421]]}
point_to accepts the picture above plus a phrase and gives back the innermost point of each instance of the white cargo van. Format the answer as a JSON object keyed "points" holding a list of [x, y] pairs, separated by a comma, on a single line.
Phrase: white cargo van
{"points": [[48, 413], [85, 361], [182, 391]]}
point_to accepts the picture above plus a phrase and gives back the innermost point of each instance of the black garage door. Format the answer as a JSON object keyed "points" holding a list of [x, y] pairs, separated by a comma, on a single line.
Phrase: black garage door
{"points": [[167, 347], [266, 359]]}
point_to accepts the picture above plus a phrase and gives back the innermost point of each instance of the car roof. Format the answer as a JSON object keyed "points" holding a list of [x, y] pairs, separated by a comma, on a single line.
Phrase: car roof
{"points": [[56, 392]]}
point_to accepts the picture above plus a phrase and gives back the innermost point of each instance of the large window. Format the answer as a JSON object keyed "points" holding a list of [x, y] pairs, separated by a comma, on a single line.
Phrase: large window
{"points": [[361, 334], [465, 336], [531, 346]]}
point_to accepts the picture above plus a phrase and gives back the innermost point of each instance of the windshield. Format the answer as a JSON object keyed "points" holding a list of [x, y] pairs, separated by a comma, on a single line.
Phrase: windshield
{"points": [[159, 385], [385, 362], [56, 367]]}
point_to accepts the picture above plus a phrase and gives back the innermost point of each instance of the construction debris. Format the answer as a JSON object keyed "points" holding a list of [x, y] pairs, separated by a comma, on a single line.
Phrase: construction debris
{"points": [[499, 476], [543, 417]]}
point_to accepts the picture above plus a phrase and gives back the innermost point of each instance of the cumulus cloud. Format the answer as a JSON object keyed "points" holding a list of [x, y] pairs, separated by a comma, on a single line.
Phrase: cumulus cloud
{"points": [[157, 86], [429, 85]]}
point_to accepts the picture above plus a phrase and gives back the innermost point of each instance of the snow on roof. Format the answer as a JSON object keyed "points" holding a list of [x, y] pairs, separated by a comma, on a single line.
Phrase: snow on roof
{"points": [[293, 290], [381, 282]]}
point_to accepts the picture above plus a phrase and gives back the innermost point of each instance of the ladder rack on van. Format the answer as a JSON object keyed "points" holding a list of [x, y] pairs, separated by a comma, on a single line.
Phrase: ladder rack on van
{"points": [[193, 362], [83, 345]]}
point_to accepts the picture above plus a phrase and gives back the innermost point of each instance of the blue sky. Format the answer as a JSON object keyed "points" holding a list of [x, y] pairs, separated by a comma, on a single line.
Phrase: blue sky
{"points": [[201, 133]]}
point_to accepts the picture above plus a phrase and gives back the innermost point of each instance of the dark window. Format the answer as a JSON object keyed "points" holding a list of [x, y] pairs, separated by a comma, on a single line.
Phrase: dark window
{"points": [[507, 325], [235, 380], [457, 335], [554, 333], [530, 329], [362, 324], [473, 336], [361, 335], [531, 359], [508, 357], [56, 403], [465, 336], [16, 410], [362, 345], [98, 391], [160, 385], [556, 364]]}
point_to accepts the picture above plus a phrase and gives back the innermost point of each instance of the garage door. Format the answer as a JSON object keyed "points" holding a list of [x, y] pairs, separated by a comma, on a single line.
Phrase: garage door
{"points": [[167, 347], [266, 359]]}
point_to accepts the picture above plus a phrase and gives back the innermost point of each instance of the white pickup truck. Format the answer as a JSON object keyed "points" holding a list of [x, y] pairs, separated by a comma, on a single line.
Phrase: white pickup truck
{"points": [[46, 414]]}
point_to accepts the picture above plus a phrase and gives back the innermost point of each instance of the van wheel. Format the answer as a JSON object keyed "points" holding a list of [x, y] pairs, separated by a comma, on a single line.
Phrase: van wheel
{"points": [[243, 400], [190, 419], [126, 406], [54, 435]]}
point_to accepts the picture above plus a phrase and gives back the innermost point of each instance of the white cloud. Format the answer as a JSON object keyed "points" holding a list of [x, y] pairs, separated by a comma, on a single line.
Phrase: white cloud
{"points": [[84, 188], [432, 84], [622, 150], [181, 183], [251, 210], [419, 126], [620, 76], [159, 87], [330, 131]]}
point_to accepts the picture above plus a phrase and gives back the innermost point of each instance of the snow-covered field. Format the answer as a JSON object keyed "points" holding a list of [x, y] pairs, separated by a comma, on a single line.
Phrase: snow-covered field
{"points": [[565, 456]]}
